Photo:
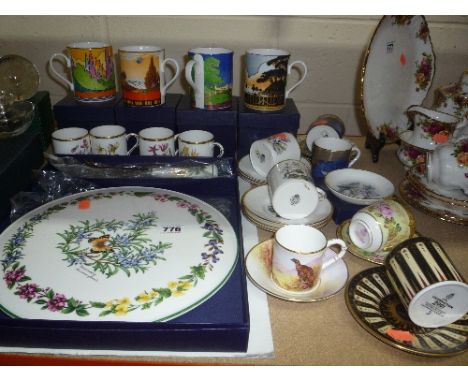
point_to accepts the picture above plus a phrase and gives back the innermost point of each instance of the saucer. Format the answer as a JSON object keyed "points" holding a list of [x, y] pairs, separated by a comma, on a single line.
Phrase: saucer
{"points": [[256, 204], [377, 308], [248, 173], [320, 131], [358, 186], [258, 267]]}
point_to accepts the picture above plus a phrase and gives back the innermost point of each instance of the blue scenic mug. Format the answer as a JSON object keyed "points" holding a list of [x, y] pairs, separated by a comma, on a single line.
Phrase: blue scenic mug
{"points": [[209, 73]]}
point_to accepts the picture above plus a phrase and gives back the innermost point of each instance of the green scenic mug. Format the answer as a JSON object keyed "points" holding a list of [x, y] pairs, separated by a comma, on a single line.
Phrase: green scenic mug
{"points": [[209, 73], [92, 71]]}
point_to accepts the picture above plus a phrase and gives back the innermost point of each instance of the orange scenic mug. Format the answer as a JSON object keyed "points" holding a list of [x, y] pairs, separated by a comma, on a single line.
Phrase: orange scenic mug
{"points": [[92, 71], [142, 75]]}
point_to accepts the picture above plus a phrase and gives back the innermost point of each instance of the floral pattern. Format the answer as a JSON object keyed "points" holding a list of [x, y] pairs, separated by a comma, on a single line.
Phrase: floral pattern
{"points": [[388, 131], [434, 130], [423, 32], [412, 156], [160, 149], [358, 190], [423, 72], [389, 218], [401, 20], [279, 142], [81, 148], [16, 277], [461, 153], [110, 149]]}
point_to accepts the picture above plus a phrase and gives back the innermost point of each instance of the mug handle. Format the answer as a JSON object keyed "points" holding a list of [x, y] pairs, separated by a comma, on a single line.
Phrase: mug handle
{"points": [[300, 80], [355, 156], [221, 149], [136, 143], [339, 255], [176, 75], [199, 91], [68, 61]]}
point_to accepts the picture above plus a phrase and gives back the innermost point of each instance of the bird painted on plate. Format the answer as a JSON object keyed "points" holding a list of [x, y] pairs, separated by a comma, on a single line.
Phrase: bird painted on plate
{"points": [[305, 274], [100, 244]]}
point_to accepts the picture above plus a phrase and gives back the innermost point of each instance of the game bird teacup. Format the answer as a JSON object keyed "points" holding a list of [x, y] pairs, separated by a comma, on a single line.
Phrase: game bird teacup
{"points": [[298, 257]]}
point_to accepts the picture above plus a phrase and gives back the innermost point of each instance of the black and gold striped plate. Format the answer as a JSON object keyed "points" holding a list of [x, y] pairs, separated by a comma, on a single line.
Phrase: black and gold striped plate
{"points": [[377, 308]]}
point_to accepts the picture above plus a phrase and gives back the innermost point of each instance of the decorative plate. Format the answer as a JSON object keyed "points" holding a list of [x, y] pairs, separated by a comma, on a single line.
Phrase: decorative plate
{"points": [[377, 308], [397, 73], [115, 254], [258, 267], [432, 206], [257, 203], [358, 186]]}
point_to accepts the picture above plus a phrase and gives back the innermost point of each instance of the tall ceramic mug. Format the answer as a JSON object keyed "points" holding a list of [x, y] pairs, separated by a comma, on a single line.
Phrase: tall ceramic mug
{"points": [[298, 257], [266, 76], [91, 68], [156, 141], [142, 75], [209, 73], [111, 140], [427, 282]]}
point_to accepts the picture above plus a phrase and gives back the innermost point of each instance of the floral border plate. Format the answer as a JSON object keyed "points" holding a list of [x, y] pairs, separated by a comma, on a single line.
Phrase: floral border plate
{"points": [[376, 307], [358, 186], [258, 267], [116, 254], [397, 73]]}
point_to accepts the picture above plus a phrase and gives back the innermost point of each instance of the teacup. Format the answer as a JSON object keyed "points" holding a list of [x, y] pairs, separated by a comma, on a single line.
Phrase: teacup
{"points": [[330, 154], [292, 191], [447, 165], [431, 127], [91, 70], [71, 141], [156, 141], [381, 226], [265, 153], [111, 140], [197, 143], [298, 257], [427, 282], [266, 75]]}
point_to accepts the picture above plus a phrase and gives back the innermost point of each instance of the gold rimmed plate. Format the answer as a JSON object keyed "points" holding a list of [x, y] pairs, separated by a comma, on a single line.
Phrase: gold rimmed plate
{"points": [[431, 206], [376, 307], [258, 268]]}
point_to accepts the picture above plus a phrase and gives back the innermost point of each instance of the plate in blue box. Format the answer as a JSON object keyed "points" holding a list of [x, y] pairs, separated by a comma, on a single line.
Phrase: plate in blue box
{"points": [[117, 254]]}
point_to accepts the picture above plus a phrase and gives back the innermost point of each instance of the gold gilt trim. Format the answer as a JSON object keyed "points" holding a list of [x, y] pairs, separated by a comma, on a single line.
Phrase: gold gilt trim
{"points": [[70, 139]]}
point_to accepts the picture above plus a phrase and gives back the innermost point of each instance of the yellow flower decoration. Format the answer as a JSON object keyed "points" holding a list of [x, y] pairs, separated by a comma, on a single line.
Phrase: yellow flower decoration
{"points": [[109, 304], [154, 294], [121, 309], [145, 297], [185, 284], [178, 293], [172, 285], [124, 301]]}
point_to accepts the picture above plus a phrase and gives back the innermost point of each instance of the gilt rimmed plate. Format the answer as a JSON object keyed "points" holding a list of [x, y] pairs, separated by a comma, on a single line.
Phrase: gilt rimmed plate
{"points": [[376, 307], [432, 206], [258, 268], [116, 254], [397, 73], [258, 204], [358, 186]]}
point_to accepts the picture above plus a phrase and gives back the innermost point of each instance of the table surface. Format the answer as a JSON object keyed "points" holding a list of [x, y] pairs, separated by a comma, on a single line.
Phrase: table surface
{"points": [[320, 333]]}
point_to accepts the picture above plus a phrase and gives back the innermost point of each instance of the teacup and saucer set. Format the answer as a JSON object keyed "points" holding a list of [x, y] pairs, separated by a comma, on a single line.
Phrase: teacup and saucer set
{"points": [[298, 265], [418, 309]]}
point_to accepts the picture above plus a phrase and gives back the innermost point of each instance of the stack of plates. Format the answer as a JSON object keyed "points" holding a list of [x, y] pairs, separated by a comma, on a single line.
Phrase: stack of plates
{"points": [[257, 208], [446, 205]]}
